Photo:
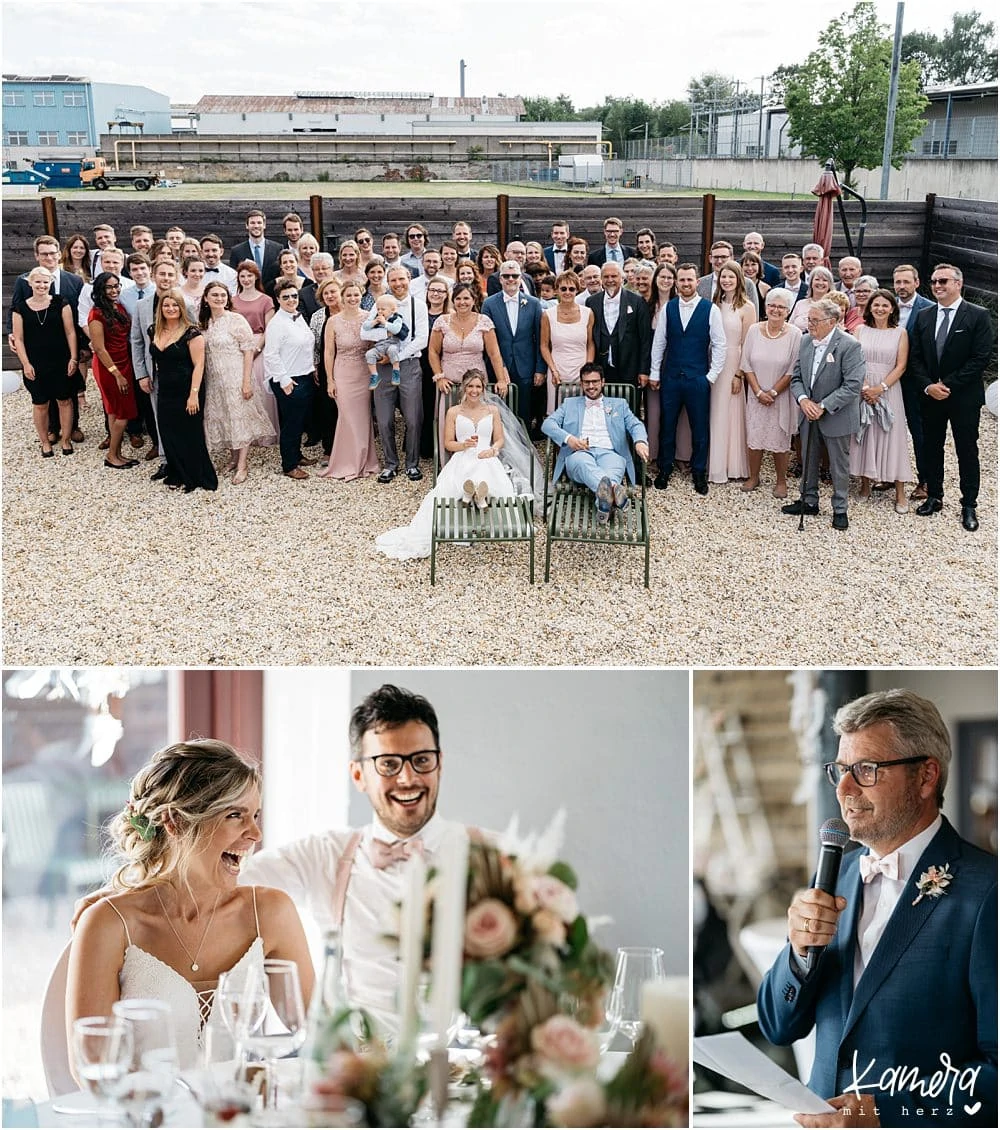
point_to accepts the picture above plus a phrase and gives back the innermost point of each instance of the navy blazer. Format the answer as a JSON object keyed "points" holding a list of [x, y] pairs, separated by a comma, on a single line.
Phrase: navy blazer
{"points": [[549, 253], [521, 352], [597, 257], [929, 990]]}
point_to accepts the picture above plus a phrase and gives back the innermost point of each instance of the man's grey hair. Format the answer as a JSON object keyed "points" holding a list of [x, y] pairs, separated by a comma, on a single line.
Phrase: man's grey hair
{"points": [[814, 247], [916, 724], [509, 265], [826, 306], [849, 259], [321, 258]]}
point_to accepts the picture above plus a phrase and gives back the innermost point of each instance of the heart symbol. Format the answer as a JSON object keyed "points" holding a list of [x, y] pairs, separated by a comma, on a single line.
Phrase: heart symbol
{"points": [[972, 1109]]}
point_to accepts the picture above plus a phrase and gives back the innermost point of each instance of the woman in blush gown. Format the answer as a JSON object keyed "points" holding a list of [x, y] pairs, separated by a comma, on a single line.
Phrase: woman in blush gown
{"points": [[475, 436], [567, 337], [353, 455], [727, 451], [257, 307], [174, 919], [883, 452]]}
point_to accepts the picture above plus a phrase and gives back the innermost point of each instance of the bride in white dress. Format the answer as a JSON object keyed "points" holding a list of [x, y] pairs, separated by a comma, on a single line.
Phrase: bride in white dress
{"points": [[175, 919], [479, 446]]}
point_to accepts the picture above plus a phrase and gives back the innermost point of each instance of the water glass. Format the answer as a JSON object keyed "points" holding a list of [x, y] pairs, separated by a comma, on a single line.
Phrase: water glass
{"points": [[154, 1066], [635, 965], [286, 1032], [102, 1055], [242, 1002]]}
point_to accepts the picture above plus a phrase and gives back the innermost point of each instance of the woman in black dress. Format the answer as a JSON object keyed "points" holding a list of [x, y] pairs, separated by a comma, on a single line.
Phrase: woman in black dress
{"points": [[178, 352], [44, 340]]}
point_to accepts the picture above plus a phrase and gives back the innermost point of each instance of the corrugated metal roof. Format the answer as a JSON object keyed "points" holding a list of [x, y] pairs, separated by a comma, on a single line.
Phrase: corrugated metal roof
{"points": [[289, 104]]}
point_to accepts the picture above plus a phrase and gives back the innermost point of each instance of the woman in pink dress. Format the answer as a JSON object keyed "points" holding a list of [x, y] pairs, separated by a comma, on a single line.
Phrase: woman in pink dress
{"points": [[770, 350], [727, 430], [258, 309], [883, 453], [353, 455], [457, 344], [820, 285], [567, 337]]}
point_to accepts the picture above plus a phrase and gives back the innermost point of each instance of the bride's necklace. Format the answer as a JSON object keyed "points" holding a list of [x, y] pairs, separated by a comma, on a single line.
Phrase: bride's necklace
{"points": [[193, 959], [770, 336]]}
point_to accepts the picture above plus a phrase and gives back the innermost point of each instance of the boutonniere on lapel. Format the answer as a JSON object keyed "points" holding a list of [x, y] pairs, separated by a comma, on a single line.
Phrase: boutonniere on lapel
{"points": [[524, 302], [609, 411], [933, 883]]}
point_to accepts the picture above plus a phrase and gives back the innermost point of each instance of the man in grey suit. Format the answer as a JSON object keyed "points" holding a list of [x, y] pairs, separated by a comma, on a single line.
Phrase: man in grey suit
{"points": [[826, 382], [721, 253]]}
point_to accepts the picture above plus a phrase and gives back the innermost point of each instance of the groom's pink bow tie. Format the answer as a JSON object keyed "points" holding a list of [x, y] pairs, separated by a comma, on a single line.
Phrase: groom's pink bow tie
{"points": [[384, 855], [888, 866]]}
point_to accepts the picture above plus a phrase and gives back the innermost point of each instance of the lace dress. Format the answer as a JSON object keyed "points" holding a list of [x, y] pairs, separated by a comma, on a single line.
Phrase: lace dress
{"points": [[231, 421], [414, 540], [192, 1004]]}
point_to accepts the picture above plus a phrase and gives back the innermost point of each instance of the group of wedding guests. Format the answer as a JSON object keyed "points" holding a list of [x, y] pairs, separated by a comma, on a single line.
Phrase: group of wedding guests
{"points": [[284, 344]]}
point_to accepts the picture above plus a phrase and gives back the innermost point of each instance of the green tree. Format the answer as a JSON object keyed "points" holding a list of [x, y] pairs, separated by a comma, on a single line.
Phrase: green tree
{"points": [[671, 119], [966, 53], [559, 109], [837, 103], [625, 120], [711, 89]]}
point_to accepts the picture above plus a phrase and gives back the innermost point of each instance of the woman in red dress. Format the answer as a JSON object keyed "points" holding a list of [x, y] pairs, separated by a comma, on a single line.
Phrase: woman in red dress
{"points": [[109, 326]]}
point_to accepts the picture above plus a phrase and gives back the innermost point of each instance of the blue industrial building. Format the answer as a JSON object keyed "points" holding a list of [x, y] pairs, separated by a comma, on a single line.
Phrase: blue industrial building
{"points": [[63, 115]]}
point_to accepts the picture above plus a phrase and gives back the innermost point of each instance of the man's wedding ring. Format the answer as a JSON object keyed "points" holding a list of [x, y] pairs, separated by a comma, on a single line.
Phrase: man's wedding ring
{"points": [[806, 926]]}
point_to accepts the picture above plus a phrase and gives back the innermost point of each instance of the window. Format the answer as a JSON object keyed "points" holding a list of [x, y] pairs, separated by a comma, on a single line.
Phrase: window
{"points": [[936, 148], [16, 137], [44, 98], [13, 98], [48, 137], [77, 137], [74, 98]]}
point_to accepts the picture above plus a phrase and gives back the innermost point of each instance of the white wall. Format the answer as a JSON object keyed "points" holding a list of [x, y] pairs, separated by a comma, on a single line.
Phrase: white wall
{"points": [[609, 746]]}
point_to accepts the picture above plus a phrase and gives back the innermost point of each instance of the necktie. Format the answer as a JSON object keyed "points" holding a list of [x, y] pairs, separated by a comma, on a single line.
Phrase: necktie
{"points": [[888, 866], [942, 334], [141, 294], [257, 256], [384, 855]]}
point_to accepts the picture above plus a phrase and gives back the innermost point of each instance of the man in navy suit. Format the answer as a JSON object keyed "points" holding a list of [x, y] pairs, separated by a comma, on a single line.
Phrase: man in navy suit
{"points": [[613, 251], [555, 253], [263, 252], [905, 979], [950, 347], [905, 281], [591, 432], [517, 320]]}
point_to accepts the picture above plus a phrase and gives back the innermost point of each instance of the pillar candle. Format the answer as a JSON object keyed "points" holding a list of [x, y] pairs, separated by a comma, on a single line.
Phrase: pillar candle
{"points": [[411, 949], [449, 931], [666, 1008]]}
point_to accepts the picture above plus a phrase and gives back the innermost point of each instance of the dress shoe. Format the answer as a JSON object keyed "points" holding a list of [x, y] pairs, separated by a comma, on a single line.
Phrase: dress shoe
{"points": [[308, 461], [605, 500], [919, 492], [800, 507], [104, 444], [77, 436], [387, 476], [701, 483], [931, 506], [468, 492], [414, 474], [160, 473], [296, 473], [622, 500], [137, 441], [839, 520], [969, 520], [151, 454], [661, 480], [482, 495]]}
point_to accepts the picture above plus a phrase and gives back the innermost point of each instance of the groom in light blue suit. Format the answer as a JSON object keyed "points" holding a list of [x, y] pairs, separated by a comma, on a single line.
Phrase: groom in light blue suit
{"points": [[903, 991], [592, 431]]}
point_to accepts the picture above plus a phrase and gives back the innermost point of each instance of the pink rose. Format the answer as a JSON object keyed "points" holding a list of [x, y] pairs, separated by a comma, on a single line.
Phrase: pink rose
{"points": [[554, 895], [549, 927], [565, 1044], [581, 1103], [490, 929], [525, 901]]}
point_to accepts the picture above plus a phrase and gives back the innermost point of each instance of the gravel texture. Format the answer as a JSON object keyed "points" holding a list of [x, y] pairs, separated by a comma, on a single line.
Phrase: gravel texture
{"points": [[105, 567]]}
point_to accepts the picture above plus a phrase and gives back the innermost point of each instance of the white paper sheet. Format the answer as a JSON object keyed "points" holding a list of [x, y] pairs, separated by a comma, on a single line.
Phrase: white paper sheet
{"points": [[733, 1055]]}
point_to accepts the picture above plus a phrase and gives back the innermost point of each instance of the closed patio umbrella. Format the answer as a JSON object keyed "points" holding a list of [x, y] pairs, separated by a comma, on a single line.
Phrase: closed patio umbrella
{"points": [[827, 189]]}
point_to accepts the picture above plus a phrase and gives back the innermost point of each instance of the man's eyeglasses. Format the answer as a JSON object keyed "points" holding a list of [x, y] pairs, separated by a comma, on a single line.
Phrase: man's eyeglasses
{"points": [[424, 761], [591, 380], [510, 276], [864, 772], [366, 242], [287, 295], [942, 280], [415, 235]]}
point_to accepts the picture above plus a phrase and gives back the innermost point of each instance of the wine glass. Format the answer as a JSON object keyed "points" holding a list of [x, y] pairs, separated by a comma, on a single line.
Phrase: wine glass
{"points": [[634, 967], [242, 1001], [102, 1055], [154, 1067], [275, 1042]]}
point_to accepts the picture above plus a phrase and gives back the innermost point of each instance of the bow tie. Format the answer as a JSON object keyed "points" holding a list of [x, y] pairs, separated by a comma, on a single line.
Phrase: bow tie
{"points": [[211, 270], [384, 855], [888, 866]]}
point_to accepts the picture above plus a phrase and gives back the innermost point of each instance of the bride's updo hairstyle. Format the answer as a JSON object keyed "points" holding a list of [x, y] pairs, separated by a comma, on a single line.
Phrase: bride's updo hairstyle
{"points": [[186, 787], [474, 375]]}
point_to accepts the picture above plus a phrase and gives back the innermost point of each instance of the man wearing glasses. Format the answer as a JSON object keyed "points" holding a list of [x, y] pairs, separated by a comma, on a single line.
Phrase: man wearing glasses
{"points": [[950, 346], [416, 243], [353, 879], [904, 979]]}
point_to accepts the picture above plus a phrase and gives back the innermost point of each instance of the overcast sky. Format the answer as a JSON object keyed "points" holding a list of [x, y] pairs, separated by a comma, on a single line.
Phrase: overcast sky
{"points": [[584, 48]]}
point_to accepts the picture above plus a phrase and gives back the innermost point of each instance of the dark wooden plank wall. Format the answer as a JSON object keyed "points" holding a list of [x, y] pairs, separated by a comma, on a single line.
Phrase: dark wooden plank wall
{"points": [[964, 232]]}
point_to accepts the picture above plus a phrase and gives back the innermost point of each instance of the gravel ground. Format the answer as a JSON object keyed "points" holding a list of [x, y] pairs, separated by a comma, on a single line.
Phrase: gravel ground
{"points": [[104, 567]]}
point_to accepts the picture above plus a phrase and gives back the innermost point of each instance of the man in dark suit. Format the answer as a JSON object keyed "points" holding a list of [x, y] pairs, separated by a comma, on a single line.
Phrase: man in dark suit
{"points": [[826, 383], [791, 269], [263, 252], [517, 320], [613, 251], [897, 970], [555, 253], [950, 347], [68, 287], [905, 281], [754, 241], [623, 334]]}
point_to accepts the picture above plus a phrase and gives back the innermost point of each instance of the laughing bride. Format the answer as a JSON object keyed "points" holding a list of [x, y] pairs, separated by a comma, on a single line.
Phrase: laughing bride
{"points": [[176, 919], [489, 458]]}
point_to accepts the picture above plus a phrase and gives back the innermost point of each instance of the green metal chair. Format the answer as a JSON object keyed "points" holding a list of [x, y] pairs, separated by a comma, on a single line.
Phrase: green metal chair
{"points": [[569, 507], [504, 519]]}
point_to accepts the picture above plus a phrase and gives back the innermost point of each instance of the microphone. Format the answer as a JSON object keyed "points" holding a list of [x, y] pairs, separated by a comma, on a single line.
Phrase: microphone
{"points": [[833, 836]]}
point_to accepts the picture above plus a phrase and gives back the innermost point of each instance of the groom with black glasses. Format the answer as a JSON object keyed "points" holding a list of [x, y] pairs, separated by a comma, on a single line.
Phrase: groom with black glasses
{"points": [[897, 971]]}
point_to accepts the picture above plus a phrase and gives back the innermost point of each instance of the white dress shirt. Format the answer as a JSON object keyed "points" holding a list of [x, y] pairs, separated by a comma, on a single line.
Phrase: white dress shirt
{"points": [[288, 348], [716, 336], [595, 425], [306, 870], [413, 308], [222, 273]]}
